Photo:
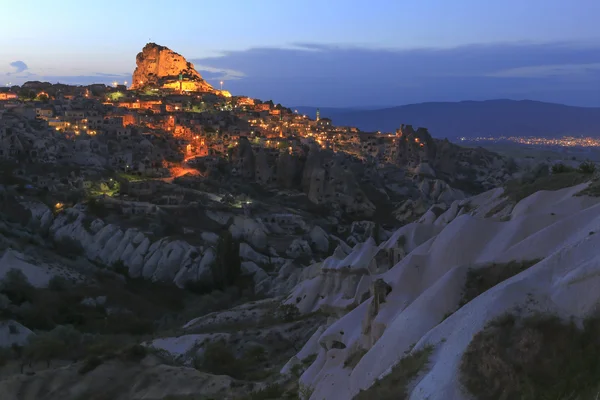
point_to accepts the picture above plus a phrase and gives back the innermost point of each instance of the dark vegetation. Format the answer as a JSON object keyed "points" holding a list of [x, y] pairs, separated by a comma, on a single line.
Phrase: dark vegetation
{"points": [[219, 359], [517, 191], [227, 267], [394, 386], [536, 357], [133, 306], [354, 358], [67, 329], [480, 280]]}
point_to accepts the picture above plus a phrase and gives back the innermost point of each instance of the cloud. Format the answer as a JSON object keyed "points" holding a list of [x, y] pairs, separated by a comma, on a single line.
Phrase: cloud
{"points": [[19, 67], [548, 71], [336, 75]]}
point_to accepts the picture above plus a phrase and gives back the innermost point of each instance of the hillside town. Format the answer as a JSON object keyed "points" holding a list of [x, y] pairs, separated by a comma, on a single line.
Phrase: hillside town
{"points": [[171, 124], [147, 129]]}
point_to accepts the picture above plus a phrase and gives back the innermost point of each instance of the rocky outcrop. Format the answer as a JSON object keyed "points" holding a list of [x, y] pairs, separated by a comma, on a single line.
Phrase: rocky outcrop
{"points": [[417, 302], [243, 159], [330, 180], [343, 280], [159, 67], [473, 169], [161, 260]]}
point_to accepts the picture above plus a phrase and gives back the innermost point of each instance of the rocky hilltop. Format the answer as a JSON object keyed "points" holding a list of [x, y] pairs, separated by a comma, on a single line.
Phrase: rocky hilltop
{"points": [[161, 67]]}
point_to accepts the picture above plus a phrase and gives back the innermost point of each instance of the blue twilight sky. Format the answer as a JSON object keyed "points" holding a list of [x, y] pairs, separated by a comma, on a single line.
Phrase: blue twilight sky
{"points": [[336, 53]]}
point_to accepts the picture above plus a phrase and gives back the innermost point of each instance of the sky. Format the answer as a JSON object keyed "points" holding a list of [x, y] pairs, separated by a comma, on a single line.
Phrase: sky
{"points": [[328, 53]]}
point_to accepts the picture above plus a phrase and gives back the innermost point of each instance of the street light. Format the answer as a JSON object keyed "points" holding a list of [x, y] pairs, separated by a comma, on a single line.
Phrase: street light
{"points": [[221, 85]]}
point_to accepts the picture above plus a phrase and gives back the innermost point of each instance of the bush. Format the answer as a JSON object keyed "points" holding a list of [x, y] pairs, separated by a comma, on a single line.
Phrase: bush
{"points": [[287, 313], [44, 347], [271, 392], [136, 353], [97, 208], [255, 355], [517, 191], [228, 264], [107, 346], [587, 167], [561, 168], [218, 359], [16, 287], [6, 355], [68, 247], [480, 280], [354, 358], [394, 386], [304, 392], [538, 357], [58, 284], [120, 268]]}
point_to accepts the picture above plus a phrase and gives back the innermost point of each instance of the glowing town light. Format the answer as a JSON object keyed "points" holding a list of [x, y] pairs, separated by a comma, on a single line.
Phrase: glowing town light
{"points": [[221, 85]]}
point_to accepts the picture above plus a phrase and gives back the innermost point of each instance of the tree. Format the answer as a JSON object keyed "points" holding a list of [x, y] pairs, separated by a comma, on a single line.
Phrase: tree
{"points": [[376, 232], [228, 266], [16, 286], [44, 347]]}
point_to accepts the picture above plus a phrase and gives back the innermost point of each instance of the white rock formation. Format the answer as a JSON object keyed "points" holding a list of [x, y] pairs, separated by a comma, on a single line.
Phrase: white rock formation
{"points": [[406, 305], [164, 260], [319, 239], [297, 248]]}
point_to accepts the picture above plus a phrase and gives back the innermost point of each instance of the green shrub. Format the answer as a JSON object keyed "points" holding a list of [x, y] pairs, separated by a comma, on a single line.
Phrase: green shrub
{"points": [[44, 347], [304, 392], [58, 283], [120, 268], [255, 354], [480, 280], [517, 191], [136, 353], [561, 168], [587, 167], [394, 386], [218, 359], [16, 287], [6, 355], [68, 247], [287, 313], [97, 208], [228, 264], [271, 392], [537, 357], [354, 358]]}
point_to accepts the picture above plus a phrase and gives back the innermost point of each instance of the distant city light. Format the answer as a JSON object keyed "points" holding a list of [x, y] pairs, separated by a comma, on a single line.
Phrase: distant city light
{"points": [[565, 141]]}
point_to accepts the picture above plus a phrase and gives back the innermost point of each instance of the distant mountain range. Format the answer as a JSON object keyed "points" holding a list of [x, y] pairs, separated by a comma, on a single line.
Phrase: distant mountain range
{"points": [[473, 118]]}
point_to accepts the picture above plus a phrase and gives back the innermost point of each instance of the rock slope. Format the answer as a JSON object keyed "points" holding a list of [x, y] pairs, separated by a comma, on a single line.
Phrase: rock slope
{"points": [[416, 302]]}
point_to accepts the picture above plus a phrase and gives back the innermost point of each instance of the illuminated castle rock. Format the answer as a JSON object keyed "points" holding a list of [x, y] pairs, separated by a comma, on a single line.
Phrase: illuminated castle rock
{"points": [[160, 67]]}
